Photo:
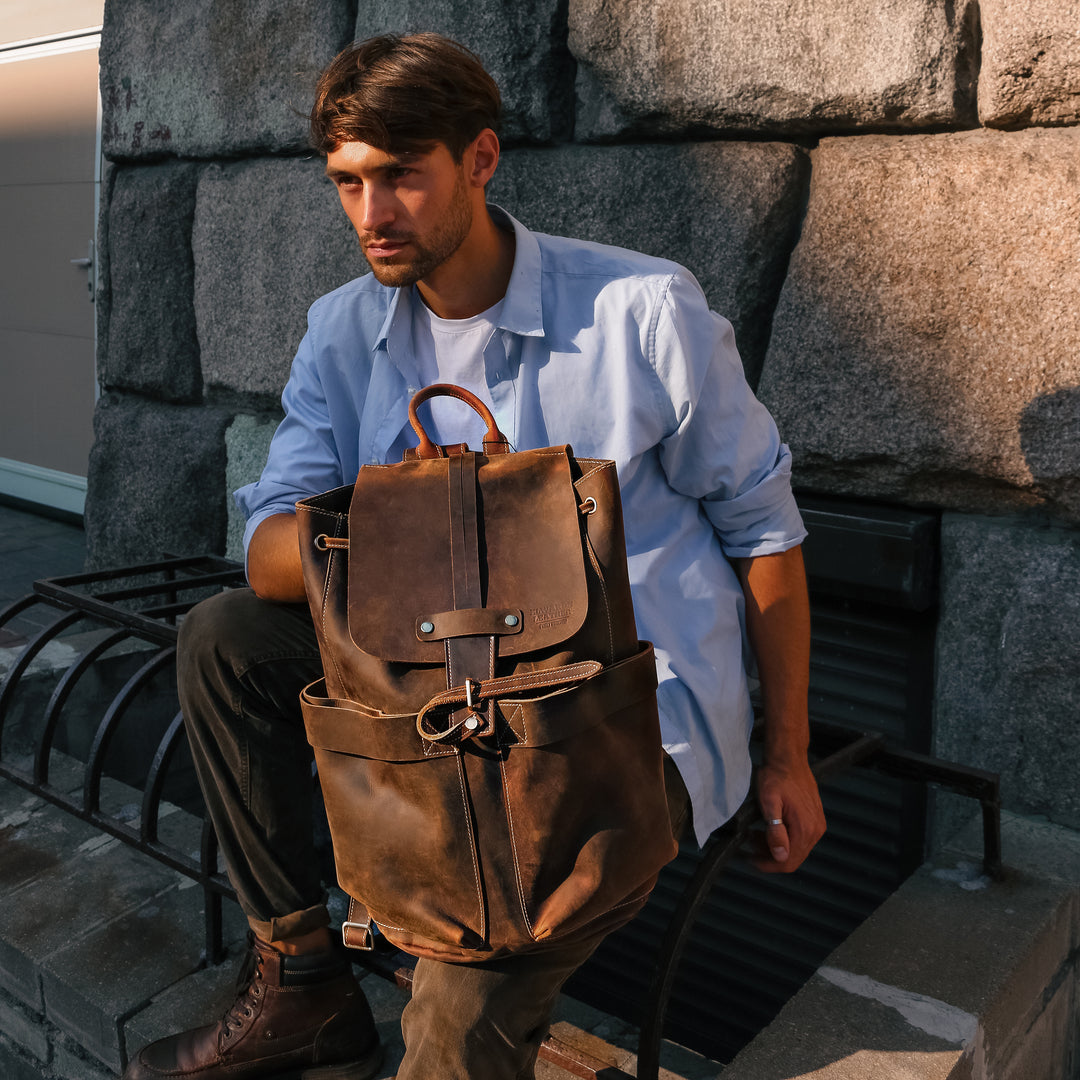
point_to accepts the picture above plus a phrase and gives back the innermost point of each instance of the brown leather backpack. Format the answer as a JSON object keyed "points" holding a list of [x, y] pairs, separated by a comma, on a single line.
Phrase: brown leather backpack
{"points": [[486, 732]]}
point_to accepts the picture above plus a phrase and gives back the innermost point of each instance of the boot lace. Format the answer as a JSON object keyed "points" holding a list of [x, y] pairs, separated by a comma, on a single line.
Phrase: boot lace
{"points": [[249, 990]]}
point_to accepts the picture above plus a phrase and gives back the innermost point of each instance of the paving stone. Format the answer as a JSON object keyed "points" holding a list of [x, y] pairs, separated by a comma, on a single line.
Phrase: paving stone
{"points": [[157, 481], [1007, 655], [35, 838], [1030, 844], [739, 209], [916, 992], [149, 344], [677, 67], [1031, 923], [926, 346], [1047, 1043], [70, 1062], [200, 997], [16, 1063], [522, 47], [826, 1033], [62, 904], [254, 284], [25, 1028], [92, 984], [1029, 73], [214, 79]]}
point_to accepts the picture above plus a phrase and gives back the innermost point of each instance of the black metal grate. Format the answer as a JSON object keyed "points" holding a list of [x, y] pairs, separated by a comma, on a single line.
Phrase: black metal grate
{"points": [[758, 938], [124, 619], [749, 949]]}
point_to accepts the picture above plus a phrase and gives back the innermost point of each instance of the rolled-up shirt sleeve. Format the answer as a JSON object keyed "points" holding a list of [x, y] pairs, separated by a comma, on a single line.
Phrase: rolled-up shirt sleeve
{"points": [[722, 447], [303, 459]]}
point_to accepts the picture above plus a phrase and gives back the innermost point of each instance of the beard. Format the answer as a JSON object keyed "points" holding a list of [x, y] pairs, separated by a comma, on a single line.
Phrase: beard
{"points": [[428, 251]]}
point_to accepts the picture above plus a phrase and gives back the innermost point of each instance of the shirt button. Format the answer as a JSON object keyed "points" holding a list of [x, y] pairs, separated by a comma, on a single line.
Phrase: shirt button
{"points": [[498, 376], [410, 390]]}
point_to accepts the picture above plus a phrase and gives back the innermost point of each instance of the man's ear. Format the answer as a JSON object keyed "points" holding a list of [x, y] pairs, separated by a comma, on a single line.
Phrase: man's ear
{"points": [[481, 157]]}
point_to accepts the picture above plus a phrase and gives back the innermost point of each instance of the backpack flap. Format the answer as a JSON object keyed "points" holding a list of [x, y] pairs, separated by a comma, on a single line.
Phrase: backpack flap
{"points": [[404, 534]]}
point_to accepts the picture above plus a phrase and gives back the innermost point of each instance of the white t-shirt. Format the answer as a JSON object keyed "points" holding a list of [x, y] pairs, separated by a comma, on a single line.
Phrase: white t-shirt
{"points": [[451, 351]]}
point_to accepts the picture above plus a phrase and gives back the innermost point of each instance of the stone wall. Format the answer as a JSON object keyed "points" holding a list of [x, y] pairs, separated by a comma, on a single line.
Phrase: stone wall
{"points": [[886, 203]]}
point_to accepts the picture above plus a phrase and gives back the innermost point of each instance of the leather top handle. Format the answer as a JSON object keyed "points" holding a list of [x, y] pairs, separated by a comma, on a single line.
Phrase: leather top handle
{"points": [[495, 442]]}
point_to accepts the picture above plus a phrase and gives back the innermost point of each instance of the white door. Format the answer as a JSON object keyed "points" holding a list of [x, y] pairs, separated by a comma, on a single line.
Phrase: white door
{"points": [[49, 175]]}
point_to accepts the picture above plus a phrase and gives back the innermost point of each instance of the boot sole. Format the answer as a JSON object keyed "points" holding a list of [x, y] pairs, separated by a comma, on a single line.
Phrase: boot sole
{"points": [[362, 1069]]}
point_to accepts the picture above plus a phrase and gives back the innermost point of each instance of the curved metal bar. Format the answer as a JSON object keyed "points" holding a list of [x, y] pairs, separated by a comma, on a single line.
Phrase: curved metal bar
{"points": [[719, 849], [17, 606], [59, 698], [859, 748], [30, 650], [109, 722], [155, 779]]}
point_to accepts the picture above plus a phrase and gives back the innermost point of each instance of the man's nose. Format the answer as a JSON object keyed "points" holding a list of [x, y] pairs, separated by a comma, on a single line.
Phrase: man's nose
{"points": [[377, 209]]}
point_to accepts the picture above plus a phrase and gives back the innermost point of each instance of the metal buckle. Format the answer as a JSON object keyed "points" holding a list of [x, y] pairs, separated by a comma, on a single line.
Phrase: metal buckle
{"points": [[368, 942], [477, 723], [469, 684]]}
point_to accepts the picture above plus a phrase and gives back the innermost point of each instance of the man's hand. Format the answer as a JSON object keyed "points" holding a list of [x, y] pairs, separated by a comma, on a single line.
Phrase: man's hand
{"points": [[778, 625], [790, 797]]}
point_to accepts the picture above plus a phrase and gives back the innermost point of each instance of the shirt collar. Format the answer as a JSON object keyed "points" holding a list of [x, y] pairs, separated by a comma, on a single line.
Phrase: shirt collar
{"points": [[522, 310]]}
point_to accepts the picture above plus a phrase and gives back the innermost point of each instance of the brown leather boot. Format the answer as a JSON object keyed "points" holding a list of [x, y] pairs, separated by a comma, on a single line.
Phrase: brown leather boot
{"points": [[293, 1016]]}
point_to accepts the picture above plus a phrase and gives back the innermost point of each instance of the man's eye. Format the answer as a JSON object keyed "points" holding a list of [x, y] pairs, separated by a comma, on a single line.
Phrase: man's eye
{"points": [[398, 171], [348, 181]]}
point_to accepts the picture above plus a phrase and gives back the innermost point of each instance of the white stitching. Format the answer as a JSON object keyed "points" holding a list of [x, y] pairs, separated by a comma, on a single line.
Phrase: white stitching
{"points": [[598, 468], [472, 847], [513, 848], [520, 710], [387, 926], [326, 593]]}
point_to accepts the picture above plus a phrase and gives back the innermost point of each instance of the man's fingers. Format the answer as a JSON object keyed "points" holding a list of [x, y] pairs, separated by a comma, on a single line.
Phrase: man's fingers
{"points": [[776, 837]]}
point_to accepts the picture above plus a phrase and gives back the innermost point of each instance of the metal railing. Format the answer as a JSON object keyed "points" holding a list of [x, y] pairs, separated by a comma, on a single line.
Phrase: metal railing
{"points": [[130, 604], [144, 602]]}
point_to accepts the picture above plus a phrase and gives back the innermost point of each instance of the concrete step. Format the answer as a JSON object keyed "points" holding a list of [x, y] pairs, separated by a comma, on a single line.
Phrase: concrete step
{"points": [[101, 951], [954, 977]]}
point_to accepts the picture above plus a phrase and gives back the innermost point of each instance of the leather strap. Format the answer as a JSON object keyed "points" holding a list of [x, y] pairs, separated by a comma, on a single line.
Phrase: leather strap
{"points": [[469, 622], [491, 689], [495, 442], [464, 541], [468, 658], [356, 930], [340, 726]]}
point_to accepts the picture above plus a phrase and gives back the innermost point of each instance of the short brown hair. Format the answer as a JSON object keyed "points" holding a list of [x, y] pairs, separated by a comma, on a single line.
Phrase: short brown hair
{"points": [[404, 94]]}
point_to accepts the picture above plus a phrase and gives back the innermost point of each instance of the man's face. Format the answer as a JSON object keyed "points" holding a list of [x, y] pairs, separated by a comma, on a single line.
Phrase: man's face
{"points": [[410, 211]]}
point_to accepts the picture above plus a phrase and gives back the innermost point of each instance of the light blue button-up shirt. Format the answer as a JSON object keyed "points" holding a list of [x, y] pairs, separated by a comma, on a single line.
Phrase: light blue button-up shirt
{"points": [[617, 354]]}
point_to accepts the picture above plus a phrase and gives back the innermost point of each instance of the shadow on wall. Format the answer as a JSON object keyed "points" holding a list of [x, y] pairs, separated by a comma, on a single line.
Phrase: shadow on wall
{"points": [[910, 348], [1050, 438]]}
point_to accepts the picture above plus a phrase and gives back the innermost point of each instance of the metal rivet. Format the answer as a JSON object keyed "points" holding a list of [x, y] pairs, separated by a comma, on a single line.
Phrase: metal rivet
{"points": [[472, 723], [511, 620], [426, 627]]}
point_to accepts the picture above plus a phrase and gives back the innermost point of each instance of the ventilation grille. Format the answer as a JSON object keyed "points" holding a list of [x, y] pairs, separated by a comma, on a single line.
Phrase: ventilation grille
{"points": [[759, 938]]}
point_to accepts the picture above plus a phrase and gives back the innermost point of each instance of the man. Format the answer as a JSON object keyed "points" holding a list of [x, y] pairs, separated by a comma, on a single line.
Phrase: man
{"points": [[610, 351]]}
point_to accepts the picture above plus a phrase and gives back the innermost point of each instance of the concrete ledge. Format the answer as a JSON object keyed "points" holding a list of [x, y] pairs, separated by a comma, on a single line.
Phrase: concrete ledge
{"points": [[100, 952], [953, 978]]}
